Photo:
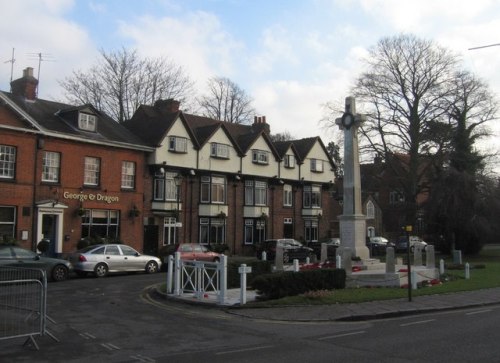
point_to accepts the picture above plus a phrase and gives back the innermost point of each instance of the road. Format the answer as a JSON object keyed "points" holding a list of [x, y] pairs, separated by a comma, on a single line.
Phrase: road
{"points": [[114, 319]]}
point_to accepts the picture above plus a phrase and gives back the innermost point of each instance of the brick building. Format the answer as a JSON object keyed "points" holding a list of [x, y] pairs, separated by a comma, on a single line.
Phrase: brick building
{"points": [[66, 172]]}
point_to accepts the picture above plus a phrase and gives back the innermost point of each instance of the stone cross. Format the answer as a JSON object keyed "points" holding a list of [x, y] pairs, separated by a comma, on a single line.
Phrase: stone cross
{"points": [[352, 221]]}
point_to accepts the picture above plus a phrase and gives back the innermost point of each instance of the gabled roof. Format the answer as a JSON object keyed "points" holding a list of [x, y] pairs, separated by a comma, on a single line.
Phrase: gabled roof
{"points": [[304, 147], [283, 146], [61, 120]]}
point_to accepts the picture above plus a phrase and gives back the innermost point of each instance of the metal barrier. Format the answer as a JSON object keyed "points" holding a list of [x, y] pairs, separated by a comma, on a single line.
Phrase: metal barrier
{"points": [[198, 277], [23, 304]]}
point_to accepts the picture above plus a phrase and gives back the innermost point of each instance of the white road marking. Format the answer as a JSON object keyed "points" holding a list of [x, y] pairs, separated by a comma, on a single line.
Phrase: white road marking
{"points": [[418, 322], [342, 335], [479, 312], [245, 350]]}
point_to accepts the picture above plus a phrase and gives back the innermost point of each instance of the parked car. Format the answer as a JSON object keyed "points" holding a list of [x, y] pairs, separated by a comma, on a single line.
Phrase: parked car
{"points": [[378, 245], [196, 251], [104, 258], [331, 247], [14, 256], [292, 249], [402, 243]]}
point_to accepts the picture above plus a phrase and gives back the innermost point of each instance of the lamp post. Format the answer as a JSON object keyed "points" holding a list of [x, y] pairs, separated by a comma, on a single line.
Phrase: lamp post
{"points": [[178, 183]]}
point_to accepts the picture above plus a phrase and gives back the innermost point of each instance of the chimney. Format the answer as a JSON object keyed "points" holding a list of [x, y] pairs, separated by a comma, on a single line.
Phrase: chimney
{"points": [[167, 106], [259, 124], [25, 86]]}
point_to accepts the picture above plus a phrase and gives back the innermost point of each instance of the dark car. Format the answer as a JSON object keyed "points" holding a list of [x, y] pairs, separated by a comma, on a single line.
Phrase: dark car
{"points": [[292, 249], [378, 245], [14, 256], [331, 247]]}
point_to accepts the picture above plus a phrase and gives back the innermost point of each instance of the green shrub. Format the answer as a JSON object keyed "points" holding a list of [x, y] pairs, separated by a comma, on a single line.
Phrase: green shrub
{"points": [[282, 284]]}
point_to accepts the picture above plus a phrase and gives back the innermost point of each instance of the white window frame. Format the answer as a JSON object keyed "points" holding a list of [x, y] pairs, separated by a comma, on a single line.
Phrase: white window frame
{"points": [[312, 196], [7, 161], [213, 189], [51, 166], [317, 165], [218, 150], [8, 224], [92, 171], [255, 192], [287, 195], [177, 144], [260, 157], [87, 121], [289, 161], [370, 210], [128, 175]]}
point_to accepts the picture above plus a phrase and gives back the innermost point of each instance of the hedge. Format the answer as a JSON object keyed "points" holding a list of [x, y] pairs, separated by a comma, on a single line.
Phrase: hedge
{"points": [[282, 284]]}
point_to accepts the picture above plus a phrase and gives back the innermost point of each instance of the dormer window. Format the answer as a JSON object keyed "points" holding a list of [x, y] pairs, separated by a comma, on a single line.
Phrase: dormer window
{"points": [[219, 150], [87, 122], [177, 144], [289, 161], [260, 157]]}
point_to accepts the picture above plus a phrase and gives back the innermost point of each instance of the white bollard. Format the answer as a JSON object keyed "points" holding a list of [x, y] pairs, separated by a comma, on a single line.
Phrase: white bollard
{"points": [[243, 270], [414, 280], [264, 256], [170, 272], [467, 271], [308, 260], [295, 265], [441, 266], [338, 262], [177, 274]]}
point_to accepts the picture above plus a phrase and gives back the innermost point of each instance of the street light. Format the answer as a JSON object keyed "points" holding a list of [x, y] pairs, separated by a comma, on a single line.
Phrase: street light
{"points": [[178, 183]]}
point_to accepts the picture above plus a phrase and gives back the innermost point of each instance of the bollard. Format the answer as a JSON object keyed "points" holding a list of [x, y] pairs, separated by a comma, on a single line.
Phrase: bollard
{"points": [[170, 272], [295, 265], [308, 260], [414, 280], [243, 270], [338, 262], [441, 266], [467, 271], [264, 256]]}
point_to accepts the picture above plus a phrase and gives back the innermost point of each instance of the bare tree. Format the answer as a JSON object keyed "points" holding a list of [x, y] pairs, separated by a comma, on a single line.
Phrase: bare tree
{"points": [[121, 81], [226, 101], [281, 136], [406, 80]]}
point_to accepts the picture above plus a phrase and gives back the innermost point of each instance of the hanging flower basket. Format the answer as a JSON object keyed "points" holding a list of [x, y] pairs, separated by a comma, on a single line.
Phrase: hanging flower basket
{"points": [[80, 212], [222, 215]]}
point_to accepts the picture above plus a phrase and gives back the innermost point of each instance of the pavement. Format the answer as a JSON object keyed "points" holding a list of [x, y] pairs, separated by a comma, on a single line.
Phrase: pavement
{"points": [[347, 312]]}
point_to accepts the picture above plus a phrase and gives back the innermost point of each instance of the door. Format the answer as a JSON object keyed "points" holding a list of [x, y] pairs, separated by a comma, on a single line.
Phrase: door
{"points": [[49, 231], [151, 239]]}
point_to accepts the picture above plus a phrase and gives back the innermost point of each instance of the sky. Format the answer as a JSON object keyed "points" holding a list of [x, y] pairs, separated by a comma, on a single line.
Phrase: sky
{"points": [[290, 56]]}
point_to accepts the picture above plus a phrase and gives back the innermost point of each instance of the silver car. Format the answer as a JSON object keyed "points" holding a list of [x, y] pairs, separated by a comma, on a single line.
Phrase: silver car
{"points": [[104, 258]]}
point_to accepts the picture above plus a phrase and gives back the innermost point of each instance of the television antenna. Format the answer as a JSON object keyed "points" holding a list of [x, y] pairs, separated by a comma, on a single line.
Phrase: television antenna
{"points": [[11, 61], [41, 58]]}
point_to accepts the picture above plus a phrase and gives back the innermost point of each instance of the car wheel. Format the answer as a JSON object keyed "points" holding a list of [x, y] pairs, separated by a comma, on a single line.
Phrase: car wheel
{"points": [[60, 273], [151, 267], [101, 270], [286, 257]]}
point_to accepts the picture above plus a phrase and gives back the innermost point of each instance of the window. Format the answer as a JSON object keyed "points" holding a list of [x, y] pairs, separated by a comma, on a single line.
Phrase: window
{"points": [[169, 231], [164, 186], [92, 171], [255, 230], [219, 150], [7, 221], [7, 161], [260, 157], [128, 175], [317, 165], [311, 230], [287, 195], [87, 122], [255, 192], [100, 223], [289, 161], [312, 196], [370, 210], [396, 197], [177, 144], [213, 189], [212, 230], [51, 166]]}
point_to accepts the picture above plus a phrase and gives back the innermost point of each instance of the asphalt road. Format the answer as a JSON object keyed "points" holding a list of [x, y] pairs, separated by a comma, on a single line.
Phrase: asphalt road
{"points": [[114, 319]]}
